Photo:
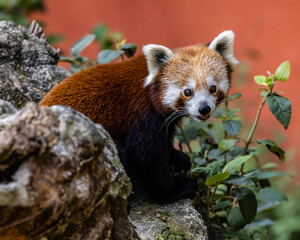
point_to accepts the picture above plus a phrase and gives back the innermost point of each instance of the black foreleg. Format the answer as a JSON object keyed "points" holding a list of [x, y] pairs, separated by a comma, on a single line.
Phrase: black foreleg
{"points": [[180, 162], [147, 161]]}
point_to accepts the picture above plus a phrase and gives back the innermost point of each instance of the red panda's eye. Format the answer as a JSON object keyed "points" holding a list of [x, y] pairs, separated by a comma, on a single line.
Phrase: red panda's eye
{"points": [[187, 92], [213, 89]]}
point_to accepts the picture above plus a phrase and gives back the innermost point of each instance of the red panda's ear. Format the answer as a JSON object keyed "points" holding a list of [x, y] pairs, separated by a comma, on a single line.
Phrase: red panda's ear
{"points": [[223, 44], [156, 55]]}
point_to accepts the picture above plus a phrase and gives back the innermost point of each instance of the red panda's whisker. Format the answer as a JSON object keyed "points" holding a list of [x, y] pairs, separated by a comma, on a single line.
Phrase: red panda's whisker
{"points": [[171, 118]]}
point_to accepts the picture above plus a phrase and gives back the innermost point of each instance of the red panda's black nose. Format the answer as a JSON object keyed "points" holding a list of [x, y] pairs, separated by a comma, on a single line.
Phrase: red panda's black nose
{"points": [[204, 110]]}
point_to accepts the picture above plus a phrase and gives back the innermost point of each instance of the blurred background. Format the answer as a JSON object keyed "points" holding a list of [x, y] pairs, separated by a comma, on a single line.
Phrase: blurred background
{"points": [[267, 33]]}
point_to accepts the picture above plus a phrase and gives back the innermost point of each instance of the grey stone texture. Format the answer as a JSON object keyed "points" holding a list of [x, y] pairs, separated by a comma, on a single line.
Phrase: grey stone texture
{"points": [[28, 67]]}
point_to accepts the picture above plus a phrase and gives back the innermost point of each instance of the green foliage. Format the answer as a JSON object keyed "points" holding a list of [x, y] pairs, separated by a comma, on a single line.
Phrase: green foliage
{"points": [[105, 38], [107, 56], [283, 71], [18, 10], [274, 148], [287, 220], [233, 127], [81, 44], [281, 108], [217, 178], [278, 105], [106, 42], [235, 198]]}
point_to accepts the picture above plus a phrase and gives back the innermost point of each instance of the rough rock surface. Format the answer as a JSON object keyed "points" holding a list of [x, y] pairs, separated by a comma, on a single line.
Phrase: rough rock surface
{"points": [[60, 177], [27, 65], [178, 220]]}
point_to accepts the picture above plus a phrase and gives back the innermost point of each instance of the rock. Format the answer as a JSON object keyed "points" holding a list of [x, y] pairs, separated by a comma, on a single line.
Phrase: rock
{"points": [[27, 65], [6, 111], [61, 177], [178, 220]]}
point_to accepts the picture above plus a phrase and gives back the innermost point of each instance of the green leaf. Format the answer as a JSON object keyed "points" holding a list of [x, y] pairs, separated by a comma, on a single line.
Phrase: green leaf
{"points": [[281, 108], [235, 218], [240, 181], [218, 113], [237, 235], [214, 154], [233, 127], [215, 167], [270, 194], [235, 96], [116, 36], [231, 166], [278, 92], [218, 178], [106, 56], [262, 223], [81, 44], [200, 169], [256, 234], [190, 131], [129, 48], [264, 94], [199, 161], [266, 206], [221, 205], [283, 71], [205, 133], [260, 79], [120, 44], [233, 111], [54, 38], [269, 165], [269, 174], [66, 59], [100, 32], [226, 144], [274, 148], [247, 202]]}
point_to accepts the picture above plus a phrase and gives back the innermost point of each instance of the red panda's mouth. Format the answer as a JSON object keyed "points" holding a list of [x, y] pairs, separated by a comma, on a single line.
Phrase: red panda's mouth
{"points": [[204, 117]]}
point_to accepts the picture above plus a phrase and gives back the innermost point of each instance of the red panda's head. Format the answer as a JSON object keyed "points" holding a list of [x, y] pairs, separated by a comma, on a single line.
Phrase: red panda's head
{"points": [[195, 79]]}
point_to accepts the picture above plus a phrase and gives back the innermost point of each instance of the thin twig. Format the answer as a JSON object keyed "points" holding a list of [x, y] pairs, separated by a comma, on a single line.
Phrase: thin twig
{"points": [[249, 138], [185, 138], [225, 132], [211, 197], [207, 200]]}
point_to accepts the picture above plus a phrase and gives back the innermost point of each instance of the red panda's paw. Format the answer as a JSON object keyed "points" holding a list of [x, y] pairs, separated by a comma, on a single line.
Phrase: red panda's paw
{"points": [[180, 162], [186, 187]]}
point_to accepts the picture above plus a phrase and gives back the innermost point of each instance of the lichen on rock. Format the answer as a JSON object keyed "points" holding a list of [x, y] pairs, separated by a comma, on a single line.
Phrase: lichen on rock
{"points": [[178, 220], [27, 65]]}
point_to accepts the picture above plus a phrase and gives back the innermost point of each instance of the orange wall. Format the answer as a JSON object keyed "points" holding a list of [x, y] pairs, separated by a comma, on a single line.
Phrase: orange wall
{"points": [[267, 33]]}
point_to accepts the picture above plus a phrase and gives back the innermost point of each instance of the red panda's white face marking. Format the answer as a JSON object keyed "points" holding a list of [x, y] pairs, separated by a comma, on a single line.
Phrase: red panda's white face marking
{"points": [[195, 79]]}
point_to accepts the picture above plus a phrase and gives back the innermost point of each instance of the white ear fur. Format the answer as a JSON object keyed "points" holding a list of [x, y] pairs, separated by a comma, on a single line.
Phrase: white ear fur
{"points": [[223, 44], [156, 55]]}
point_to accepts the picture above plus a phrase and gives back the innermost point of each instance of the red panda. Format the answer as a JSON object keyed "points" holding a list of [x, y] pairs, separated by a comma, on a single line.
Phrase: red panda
{"points": [[139, 102]]}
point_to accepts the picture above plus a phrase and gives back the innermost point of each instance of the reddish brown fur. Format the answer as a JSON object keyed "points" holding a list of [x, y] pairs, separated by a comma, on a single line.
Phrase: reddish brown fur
{"points": [[92, 87], [183, 65]]}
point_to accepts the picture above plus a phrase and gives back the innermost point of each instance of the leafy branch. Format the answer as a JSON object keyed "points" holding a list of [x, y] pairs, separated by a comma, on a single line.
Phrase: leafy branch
{"points": [[234, 197], [106, 42]]}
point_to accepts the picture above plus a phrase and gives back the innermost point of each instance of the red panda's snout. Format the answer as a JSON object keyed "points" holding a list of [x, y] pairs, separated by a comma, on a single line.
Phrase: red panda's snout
{"points": [[205, 99]]}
